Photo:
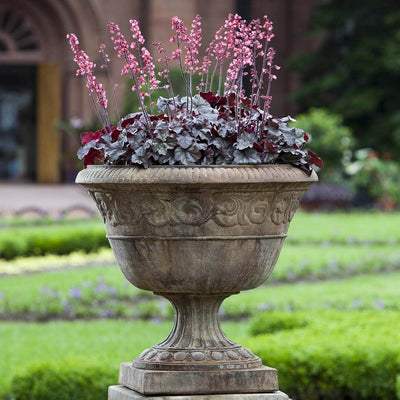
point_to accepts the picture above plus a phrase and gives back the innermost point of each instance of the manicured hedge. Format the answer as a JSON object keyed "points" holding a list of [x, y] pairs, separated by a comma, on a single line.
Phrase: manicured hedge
{"points": [[64, 380], [339, 356], [277, 321], [54, 239]]}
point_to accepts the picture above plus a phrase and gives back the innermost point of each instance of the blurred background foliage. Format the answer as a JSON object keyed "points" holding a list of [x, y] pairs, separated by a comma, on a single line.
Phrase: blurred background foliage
{"points": [[354, 72], [349, 97]]}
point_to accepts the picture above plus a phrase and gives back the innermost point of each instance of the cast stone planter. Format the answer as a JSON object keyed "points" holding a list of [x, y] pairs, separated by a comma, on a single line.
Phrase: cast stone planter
{"points": [[196, 235]]}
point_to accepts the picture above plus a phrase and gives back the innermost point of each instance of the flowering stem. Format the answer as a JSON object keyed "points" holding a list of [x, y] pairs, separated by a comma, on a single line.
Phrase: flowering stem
{"points": [[238, 102], [220, 78], [142, 105], [267, 99], [260, 81], [102, 113], [212, 76], [114, 94], [188, 92], [99, 116]]}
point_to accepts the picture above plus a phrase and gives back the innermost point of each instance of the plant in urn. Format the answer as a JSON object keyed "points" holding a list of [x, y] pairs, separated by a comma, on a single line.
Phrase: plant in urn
{"points": [[197, 193]]}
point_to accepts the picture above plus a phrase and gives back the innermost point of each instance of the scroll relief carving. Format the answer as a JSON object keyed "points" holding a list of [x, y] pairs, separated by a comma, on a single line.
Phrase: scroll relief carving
{"points": [[225, 209]]}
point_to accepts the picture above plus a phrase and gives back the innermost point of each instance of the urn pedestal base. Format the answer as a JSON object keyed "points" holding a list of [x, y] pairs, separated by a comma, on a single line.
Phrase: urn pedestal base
{"points": [[123, 393], [153, 382]]}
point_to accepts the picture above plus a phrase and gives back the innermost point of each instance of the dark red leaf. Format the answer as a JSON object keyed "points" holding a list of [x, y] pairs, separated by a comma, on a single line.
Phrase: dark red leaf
{"points": [[231, 100], [208, 96], [222, 101], [246, 101], [214, 101], [306, 137], [273, 124], [92, 156], [129, 121], [87, 137], [108, 128], [259, 148], [314, 159], [115, 134], [156, 117]]}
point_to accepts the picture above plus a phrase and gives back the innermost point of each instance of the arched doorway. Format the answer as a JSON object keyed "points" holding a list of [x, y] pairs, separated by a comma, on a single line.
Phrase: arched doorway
{"points": [[37, 89], [18, 96]]}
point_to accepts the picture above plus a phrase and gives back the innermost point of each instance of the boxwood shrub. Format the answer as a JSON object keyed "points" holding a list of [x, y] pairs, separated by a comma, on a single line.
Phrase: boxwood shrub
{"points": [[277, 321], [53, 239], [340, 355], [69, 379]]}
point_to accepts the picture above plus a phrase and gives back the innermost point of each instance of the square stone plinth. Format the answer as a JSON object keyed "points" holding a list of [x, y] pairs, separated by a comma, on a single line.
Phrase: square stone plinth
{"points": [[123, 393], [154, 382]]}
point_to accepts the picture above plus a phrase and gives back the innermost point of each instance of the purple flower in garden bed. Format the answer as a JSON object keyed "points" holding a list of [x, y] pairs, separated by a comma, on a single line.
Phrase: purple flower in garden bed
{"points": [[67, 308], [107, 313], [379, 304], [264, 307], [44, 290], [292, 275], [112, 291], [76, 292], [100, 288], [357, 303], [1, 295], [49, 292]]}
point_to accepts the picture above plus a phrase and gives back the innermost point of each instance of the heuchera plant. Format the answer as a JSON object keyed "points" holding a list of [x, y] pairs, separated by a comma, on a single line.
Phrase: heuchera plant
{"points": [[203, 127]]}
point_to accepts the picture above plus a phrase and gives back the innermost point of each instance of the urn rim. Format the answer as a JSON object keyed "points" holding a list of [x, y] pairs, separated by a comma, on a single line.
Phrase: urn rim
{"points": [[194, 174]]}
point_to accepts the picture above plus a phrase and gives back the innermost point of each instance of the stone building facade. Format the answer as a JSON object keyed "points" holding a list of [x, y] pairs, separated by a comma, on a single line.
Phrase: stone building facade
{"points": [[38, 87]]}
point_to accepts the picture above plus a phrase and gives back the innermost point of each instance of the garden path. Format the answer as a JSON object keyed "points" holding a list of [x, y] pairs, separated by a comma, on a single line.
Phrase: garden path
{"points": [[51, 199]]}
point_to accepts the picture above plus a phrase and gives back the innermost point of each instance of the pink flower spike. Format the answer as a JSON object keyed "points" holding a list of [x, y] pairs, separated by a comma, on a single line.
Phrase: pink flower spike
{"points": [[106, 58], [73, 42], [136, 33], [86, 68], [192, 45], [150, 68]]}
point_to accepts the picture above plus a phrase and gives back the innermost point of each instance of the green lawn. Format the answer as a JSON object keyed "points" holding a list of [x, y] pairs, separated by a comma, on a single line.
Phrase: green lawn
{"points": [[380, 291], [322, 261], [342, 227]]}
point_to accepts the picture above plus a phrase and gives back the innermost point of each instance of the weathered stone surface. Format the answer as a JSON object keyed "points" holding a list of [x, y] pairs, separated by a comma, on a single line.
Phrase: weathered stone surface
{"points": [[196, 342], [153, 382], [123, 393], [197, 235]]}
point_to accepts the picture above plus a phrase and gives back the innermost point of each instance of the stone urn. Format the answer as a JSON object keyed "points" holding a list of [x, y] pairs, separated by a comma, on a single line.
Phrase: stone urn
{"points": [[196, 235]]}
